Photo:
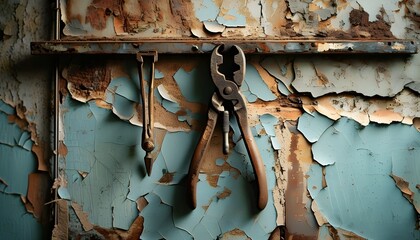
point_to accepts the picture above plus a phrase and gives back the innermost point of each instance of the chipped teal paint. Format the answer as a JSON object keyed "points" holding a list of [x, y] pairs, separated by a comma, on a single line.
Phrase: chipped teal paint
{"points": [[314, 180], [124, 86], [158, 74], [283, 89], [169, 202], [360, 196], [172, 107], [205, 10], [313, 125], [256, 84], [196, 85], [250, 97], [280, 68], [63, 192], [16, 163], [269, 123], [6, 108], [16, 222], [232, 18], [177, 151], [16, 160], [107, 148]]}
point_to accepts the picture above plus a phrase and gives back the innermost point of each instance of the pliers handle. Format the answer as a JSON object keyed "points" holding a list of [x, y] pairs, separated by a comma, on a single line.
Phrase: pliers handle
{"points": [[237, 100]]}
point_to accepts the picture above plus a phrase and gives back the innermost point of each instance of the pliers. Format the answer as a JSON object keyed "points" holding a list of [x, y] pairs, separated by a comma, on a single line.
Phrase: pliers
{"points": [[228, 98]]}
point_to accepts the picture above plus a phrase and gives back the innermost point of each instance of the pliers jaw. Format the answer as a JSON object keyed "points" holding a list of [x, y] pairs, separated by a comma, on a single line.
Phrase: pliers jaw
{"points": [[228, 98]]}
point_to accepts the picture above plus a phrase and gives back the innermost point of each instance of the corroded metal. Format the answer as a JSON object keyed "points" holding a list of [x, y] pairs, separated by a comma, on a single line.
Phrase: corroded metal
{"points": [[200, 46], [148, 144], [228, 97]]}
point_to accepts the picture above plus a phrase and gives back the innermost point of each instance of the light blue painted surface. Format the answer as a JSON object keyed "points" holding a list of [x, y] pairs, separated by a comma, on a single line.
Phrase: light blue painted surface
{"points": [[232, 18], [250, 97], [280, 68], [282, 88], [314, 180], [16, 222], [196, 85], [313, 126], [360, 195], [172, 107], [107, 148], [256, 84], [205, 10], [16, 163]]}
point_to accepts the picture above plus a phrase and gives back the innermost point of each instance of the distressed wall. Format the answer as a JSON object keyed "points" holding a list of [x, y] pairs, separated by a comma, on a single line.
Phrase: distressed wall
{"points": [[339, 135], [25, 107]]}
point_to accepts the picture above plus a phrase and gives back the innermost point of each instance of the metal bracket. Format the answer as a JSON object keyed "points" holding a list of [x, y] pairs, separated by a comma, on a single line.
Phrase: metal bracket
{"points": [[201, 46]]}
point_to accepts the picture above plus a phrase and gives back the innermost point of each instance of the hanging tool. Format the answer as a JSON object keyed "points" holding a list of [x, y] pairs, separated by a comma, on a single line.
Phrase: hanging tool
{"points": [[148, 144], [228, 77]]}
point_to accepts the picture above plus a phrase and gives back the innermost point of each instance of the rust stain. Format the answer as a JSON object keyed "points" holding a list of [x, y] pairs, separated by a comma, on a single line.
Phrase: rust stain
{"points": [[212, 180], [335, 234], [62, 149], [214, 152], [42, 161], [411, 12], [416, 123], [20, 122], [235, 234], [61, 230], [133, 233], [276, 16], [404, 187], [168, 17], [361, 27], [296, 214], [83, 216], [99, 11], [226, 193], [141, 203], [102, 104], [282, 108], [69, 13], [321, 77], [38, 194], [88, 79], [166, 178]]}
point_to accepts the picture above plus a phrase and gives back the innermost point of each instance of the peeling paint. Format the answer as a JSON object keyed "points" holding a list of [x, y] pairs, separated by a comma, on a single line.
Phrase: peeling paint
{"points": [[101, 126], [363, 168], [112, 209], [404, 107], [16, 222], [368, 76]]}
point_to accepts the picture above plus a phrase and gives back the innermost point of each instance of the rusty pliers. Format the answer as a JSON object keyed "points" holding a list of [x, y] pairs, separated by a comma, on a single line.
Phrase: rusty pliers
{"points": [[228, 98]]}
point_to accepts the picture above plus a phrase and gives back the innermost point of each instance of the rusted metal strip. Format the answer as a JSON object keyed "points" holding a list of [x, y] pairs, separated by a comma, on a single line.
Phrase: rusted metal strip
{"points": [[200, 46]]}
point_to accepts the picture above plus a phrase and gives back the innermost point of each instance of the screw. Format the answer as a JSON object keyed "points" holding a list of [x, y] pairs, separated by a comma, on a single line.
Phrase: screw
{"points": [[227, 90]]}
